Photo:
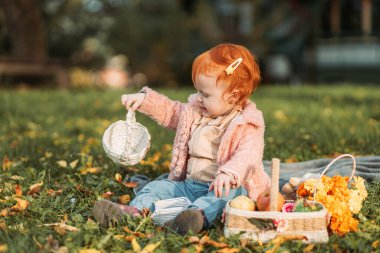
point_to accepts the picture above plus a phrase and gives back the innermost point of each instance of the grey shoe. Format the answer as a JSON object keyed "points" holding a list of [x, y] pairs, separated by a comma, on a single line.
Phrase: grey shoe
{"points": [[186, 221], [109, 214]]}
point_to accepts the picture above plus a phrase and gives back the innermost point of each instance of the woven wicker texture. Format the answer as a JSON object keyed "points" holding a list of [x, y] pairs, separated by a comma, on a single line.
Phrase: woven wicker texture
{"points": [[126, 142], [312, 225]]}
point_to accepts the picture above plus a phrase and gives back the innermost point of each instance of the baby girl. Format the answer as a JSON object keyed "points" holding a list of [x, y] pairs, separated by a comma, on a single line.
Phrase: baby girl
{"points": [[218, 146]]}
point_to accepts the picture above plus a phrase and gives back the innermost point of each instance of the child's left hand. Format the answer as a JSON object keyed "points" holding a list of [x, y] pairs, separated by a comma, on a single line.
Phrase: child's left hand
{"points": [[221, 180]]}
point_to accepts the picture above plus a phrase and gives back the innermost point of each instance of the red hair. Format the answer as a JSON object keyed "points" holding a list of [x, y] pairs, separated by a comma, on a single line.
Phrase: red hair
{"points": [[246, 76]]}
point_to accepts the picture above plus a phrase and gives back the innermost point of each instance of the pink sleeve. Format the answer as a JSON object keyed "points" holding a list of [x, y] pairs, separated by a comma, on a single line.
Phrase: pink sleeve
{"points": [[161, 109], [247, 157]]}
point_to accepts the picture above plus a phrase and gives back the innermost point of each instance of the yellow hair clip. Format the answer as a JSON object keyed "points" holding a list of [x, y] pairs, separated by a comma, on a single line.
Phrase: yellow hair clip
{"points": [[230, 69]]}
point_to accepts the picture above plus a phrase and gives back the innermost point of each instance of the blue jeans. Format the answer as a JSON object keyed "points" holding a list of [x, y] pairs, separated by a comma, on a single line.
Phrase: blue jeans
{"points": [[197, 192]]}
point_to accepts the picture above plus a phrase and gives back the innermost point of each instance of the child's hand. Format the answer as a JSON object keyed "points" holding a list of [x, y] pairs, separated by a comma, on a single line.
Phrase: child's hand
{"points": [[132, 101], [221, 180]]}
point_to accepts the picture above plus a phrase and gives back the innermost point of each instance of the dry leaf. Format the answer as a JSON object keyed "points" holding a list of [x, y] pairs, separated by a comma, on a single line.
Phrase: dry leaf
{"points": [[74, 163], [92, 170], [308, 248], [118, 177], [59, 230], [3, 225], [21, 205], [18, 190], [52, 192], [138, 234], [129, 238], [89, 251], [62, 225], [194, 239], [228, 250], [7, 164], [48, 154], [206, 240], [4, 212], [107, 195], [198, 248], [62, 163], [118, 237], [376, 244], [124, 199], [151, 247], [135, 245], [17, 178], [3, 248], [36, 188], [130, 184]]}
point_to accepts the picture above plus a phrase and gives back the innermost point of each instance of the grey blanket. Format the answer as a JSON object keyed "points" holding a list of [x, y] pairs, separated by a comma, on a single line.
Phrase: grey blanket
{"points": [[367, 167]]}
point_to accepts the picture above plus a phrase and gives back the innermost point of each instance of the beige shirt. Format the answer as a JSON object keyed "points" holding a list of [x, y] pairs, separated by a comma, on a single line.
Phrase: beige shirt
{"points": [[205, 137]]}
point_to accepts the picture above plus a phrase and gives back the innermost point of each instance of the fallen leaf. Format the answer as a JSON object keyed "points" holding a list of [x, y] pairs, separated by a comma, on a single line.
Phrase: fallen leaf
{"points": [[62, 163], [118, 237], [228, 250], [35, 188], [194, 239], [107, 195], [21, 205], [138, 234], [135, 245], [131, 184], [18, 190], [198, 248], [151, 247], [4, 212], [74, 163], [124, 199], [17, 178], [92, 170], [48, 154], [7, 164], [3, 247], [118, 177], [376, 244], [52, 192], [206, 240], [308, 248], [62, 225], [3, 225], [60, 230], [89, 251]]}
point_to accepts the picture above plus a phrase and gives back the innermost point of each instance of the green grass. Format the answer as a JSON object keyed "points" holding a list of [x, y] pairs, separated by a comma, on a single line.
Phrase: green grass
{"points": [[40, 127]]}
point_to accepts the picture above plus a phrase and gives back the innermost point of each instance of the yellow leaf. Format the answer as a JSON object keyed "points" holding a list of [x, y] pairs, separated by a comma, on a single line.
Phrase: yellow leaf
{"points": [[62, 225], [376, 244], [228, 250], [17, 178], [4, 212], [118, 237], [89, 251], [18, 190], [7, 164], [62, 163], [74, 163], [3, 225], [135, 245], [131, 184], [124, 199], [20, 205], [118, 177], [151, 247], [309, 248], [92, 170], [48, 154], [35, 188], [3, 248]]}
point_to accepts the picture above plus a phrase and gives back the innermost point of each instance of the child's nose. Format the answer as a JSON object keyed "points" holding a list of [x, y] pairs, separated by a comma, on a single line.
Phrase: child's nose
{"points": [[199, 98]]}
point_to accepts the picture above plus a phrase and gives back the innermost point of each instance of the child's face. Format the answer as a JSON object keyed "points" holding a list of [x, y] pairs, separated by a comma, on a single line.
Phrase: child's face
{"points": [[211, 97]]}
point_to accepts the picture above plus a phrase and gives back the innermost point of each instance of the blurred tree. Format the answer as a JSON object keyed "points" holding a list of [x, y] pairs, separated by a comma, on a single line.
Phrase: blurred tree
{"points": [[27, 36]]}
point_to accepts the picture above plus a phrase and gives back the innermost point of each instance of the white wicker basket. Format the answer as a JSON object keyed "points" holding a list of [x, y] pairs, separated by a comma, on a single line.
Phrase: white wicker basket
{"points": [[126, 142]]}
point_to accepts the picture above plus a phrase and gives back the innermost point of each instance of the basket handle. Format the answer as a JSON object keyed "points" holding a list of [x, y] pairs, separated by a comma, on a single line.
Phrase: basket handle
{"points": [[275, 174], [130, 119], [329, 165]]}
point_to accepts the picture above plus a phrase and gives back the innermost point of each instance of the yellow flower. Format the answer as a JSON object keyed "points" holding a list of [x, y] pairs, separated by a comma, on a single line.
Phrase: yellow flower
{"points": [[359, 185], [355, 202]]}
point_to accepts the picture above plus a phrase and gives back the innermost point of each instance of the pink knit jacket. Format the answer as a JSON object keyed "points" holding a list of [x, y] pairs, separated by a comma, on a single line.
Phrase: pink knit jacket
{"points": [[241, 149]]}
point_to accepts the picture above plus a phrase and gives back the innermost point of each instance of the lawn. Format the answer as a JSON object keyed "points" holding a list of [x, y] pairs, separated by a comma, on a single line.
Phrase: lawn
{"points": [[53, 167]]}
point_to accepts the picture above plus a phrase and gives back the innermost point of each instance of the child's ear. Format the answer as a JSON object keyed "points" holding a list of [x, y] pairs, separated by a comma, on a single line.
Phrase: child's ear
{"points": [[234, 97]]}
